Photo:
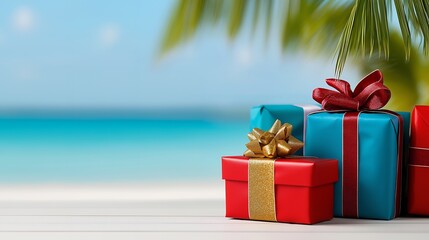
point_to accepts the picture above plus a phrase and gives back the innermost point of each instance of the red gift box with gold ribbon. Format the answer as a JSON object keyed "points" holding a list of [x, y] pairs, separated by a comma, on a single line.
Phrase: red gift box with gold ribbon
{"points": [[418, 183], [270, 185], [302, 190]]}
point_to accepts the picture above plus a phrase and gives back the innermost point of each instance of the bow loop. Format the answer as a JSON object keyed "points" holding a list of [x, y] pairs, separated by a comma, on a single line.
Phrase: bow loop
{"points": [[276, 142], [373, 77], [341, 86], [369, 94]]}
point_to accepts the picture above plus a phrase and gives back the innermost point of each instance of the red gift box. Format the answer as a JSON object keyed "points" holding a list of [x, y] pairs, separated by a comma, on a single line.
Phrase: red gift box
{"points": [[418, 167], [304, 188]]}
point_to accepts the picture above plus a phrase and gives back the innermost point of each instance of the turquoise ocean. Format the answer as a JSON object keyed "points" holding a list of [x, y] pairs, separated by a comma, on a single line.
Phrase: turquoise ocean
{"points": [[93, 150]]}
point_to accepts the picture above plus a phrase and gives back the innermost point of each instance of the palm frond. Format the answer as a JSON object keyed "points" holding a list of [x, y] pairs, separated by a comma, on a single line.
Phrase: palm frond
{"points": [[358, 28], [176, 28], [255, 18], [368, 28], [399, 74], [306, 27], [216, 9], [268, 4], [421, 11], [405, 29], [236, 17]]}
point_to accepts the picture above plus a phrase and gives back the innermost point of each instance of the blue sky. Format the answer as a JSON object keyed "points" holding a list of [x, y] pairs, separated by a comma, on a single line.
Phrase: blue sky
{"points": [[102, 54]]}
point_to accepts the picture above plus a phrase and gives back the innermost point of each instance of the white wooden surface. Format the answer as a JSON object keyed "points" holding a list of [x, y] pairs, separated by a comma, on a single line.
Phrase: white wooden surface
{"points": [[55, 217]]}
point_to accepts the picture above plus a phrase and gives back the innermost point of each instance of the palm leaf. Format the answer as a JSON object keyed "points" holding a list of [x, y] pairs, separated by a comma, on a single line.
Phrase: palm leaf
{"points": [[236, 17], [399, 74], [405, 29], [305, 26], [368, 28], [176, 28], [256, 10], [360, 28], [268, 16]]}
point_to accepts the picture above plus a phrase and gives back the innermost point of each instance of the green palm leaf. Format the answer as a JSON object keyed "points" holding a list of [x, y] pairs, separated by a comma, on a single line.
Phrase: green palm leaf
{"points": [[360, 28], [368, 28], [399, 75]]}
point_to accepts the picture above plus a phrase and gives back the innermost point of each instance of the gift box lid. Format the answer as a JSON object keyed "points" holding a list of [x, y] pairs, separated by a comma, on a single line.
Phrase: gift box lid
{"points": [[264, 116], [302, 171], [420, 127]]}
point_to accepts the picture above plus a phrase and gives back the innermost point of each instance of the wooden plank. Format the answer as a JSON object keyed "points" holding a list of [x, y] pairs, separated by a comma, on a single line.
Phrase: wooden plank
{"points": [[176, 218], [142, 224], [133, 208], [205, 236], [173, 216]]}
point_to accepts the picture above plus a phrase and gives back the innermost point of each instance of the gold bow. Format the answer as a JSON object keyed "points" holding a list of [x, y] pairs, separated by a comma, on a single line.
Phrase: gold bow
{"points": [[276, 142]]}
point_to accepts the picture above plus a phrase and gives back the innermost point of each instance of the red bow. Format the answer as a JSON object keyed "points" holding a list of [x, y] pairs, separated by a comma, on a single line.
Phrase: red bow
{"points": [[369, 94]]}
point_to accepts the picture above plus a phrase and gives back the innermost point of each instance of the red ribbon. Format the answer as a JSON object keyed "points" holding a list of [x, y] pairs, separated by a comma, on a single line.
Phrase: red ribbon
{"points": [[350, 164], [369, 94], [419, 156]]}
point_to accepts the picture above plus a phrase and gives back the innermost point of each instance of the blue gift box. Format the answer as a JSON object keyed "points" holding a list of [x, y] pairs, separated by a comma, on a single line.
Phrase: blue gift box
{"points": [[264, 116], [377, 158]]}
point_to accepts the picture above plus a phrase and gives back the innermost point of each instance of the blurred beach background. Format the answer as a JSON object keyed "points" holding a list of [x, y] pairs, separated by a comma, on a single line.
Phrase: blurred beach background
{"points": [[87, 102]]}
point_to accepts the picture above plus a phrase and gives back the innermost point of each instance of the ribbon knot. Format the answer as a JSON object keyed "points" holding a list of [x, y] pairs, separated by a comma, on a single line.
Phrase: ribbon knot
{"points": [[276, 142], [369, 94]]}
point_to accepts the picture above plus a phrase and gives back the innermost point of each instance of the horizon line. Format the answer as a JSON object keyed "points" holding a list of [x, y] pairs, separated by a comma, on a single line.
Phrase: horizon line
{"points": [[142, 113]]}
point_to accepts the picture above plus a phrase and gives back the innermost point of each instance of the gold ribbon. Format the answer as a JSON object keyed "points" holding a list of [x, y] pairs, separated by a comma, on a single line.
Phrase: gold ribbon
{"points": [[276, 142], [262, 199], [262, 150]]}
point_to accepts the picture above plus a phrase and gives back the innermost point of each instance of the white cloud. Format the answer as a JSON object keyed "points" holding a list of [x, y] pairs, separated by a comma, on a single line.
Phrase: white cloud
{"points": [[244, 57], [109, 35], [23, 19]]}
